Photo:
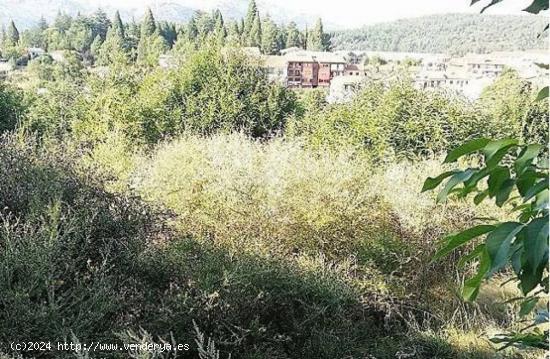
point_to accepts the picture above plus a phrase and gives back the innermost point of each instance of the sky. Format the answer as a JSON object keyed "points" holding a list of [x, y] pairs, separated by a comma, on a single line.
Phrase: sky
{"points": [[354, 13]]}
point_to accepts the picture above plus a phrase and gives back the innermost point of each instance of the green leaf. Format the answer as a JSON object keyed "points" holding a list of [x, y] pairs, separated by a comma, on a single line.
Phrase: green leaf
{"points": [[499, 243], [543, 66], [433, 182], [541, 33], [465, 149], [536, 242], [537, 6], [470, 256], [454, 181], [496, 150], [494, 147], [472, 182], [541, 200], [497, 177], [493, 2], [543, 93], [471, 286], [504, 192], [458, 240], [527, 306], [538, 187], [526, 157], [480, 197], [530, 277], [526, 181]]}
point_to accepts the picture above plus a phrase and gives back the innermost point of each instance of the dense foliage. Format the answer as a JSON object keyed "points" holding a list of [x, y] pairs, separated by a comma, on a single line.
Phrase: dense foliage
{"points": [[103, 41], [195, 202], [452, 34], [11, 108], [146, 107], [517, 176], [399, 119]]}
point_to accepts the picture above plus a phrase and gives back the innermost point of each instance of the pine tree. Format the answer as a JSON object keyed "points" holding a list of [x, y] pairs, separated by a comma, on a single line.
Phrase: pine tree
{"points": [[251, 15], [192, 31], [12, 34], [151, 44], [148, 25], [255, 36], [168, 32], [3, 36], [80, 35], [100, 24], [219, 27], [42, 24], [133, 29], [292, 36], [205, 23], [233, 37], [95, 47], [118, 26], [112, 50], [270, 34], [62, 22], [317, 39]]}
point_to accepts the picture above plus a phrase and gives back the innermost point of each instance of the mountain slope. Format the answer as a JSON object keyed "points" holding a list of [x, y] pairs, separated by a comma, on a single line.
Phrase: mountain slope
{"points": [[451, 33]]}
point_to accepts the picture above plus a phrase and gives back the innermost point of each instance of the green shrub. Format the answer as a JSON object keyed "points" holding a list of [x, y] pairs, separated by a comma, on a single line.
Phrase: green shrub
{"points": [[410, 122], [272, 197], [69, 250], [210, 92], [12, 108]]}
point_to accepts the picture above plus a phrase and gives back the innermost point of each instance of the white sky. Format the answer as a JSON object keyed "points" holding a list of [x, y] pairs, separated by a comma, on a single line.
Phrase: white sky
{"points": [[351, 13]]}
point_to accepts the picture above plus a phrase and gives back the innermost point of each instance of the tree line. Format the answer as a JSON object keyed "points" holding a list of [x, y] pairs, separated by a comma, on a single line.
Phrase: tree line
{"points": [[449, 33], [103, 41]]}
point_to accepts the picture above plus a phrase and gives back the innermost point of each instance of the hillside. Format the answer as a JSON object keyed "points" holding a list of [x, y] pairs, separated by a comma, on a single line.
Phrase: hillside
{"points": [[451, 33]]}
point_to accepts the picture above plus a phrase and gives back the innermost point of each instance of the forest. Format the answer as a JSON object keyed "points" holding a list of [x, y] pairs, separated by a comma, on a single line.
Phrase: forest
{"points": [[454, 34], [98, 40], [201, 204]]}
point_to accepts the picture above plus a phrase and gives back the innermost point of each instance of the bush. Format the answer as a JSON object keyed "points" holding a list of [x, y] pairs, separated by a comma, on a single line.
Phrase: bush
{"points": [[398, 119], [274, 196], [410, 122], [210, 92], [69, 250], [12, 108]]}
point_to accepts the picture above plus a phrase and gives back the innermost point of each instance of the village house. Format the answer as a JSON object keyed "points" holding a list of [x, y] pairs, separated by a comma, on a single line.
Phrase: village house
{"points": [[482, 65], [277, 68], [344, 88], [355, 70], [167, 61], [5, 68], [309, 69], [34, 52]]}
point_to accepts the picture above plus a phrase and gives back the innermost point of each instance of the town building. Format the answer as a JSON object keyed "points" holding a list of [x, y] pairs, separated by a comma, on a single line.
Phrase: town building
{"points": [[344, 88], [355, 70], [5, 68], [310, 69], [277, 69], [34, 52]]}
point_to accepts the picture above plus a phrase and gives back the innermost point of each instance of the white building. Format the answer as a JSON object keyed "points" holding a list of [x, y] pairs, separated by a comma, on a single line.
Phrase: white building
{"points": [[5, 68], [344, 88], [277, 68]]}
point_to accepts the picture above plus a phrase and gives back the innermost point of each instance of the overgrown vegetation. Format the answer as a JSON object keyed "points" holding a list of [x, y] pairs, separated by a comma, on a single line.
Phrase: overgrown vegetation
{"points": [[201, 204]]}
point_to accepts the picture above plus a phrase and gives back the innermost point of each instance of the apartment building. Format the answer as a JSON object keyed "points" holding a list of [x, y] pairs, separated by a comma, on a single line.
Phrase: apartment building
{"points": [[309, 69]]}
